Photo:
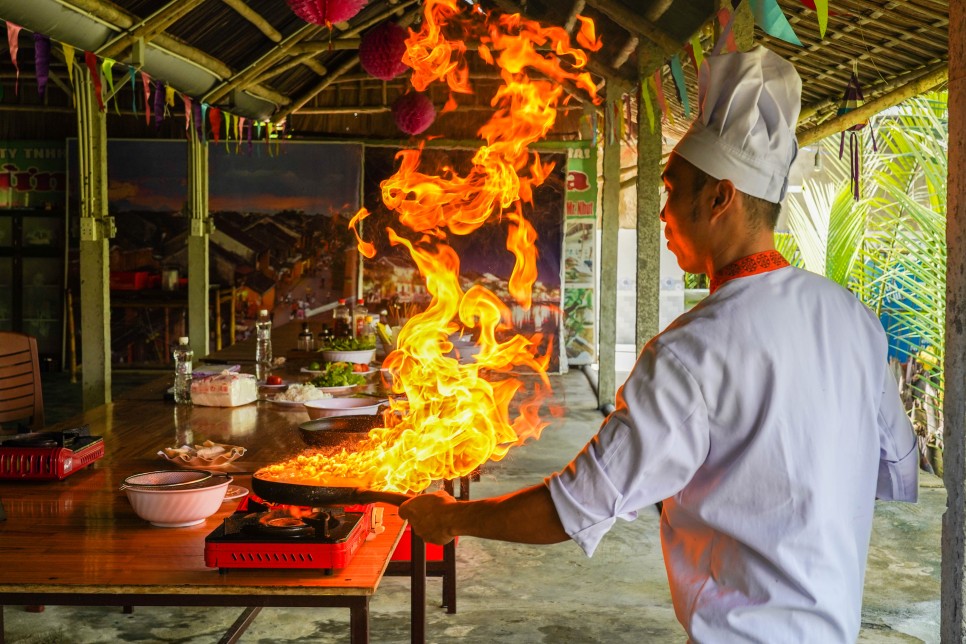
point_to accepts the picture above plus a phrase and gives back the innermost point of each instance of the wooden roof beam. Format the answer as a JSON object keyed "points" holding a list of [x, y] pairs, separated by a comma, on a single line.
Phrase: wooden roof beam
{"points": [[575, 11], [241, 8], [148, 28], [241, 79], [636, 24], [121, 20]]}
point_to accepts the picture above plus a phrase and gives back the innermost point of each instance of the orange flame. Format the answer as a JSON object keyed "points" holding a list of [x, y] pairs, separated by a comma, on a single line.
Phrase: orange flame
{"points": [[450, 417]]}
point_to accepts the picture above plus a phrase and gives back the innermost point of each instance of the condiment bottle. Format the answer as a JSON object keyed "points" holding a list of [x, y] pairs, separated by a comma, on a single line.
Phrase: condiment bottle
{"points": [[183, 358]]}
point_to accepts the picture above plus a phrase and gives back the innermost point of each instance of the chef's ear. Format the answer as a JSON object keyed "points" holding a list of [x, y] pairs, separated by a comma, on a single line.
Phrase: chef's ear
{"points": [[723, 197]]}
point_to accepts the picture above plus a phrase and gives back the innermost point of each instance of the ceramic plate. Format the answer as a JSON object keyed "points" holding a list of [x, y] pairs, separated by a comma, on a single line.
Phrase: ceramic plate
{"points": [[344, 389], [262, 385], [188, 456], [281, 402], [235, 492]]}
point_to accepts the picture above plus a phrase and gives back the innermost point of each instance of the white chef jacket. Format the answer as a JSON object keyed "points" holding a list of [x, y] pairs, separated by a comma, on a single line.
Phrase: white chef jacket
{"points": [[768, 421]]}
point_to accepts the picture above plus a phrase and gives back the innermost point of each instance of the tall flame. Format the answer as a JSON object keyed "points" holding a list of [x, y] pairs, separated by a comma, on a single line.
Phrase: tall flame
{"points": [[454, 417]]}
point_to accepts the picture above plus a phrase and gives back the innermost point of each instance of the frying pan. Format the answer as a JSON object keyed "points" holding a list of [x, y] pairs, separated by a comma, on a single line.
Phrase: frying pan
{"points": [[320, 495]]}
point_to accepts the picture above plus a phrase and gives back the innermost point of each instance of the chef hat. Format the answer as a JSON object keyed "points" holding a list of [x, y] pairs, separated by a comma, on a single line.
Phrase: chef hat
{"points": [[746, 129]]}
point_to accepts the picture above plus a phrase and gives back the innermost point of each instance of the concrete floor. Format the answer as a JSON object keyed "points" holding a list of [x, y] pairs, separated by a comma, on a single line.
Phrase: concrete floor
{"points": [[527, 594]]}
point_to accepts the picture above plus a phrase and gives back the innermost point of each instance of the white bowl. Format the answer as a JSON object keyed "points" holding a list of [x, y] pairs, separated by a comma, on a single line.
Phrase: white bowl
{"points": [[363, 356], [327, 407], [178, 506]]}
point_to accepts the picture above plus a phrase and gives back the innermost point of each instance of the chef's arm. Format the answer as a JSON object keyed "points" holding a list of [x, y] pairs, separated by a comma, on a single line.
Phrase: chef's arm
{"points": [[524, 516]]}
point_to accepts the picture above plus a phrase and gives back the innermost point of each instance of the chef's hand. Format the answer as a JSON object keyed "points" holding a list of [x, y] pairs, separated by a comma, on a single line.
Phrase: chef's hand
{"points": [[429, 515]]}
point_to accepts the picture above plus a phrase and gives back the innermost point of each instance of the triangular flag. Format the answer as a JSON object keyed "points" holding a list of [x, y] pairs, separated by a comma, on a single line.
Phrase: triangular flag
{"points": [[659, 92], [677, 73], [239, 131], [13, 43], [41, 62], [69, 53], [646, 85], [726, 39], [227, 129], [107, 69], [771, 19], [146, 84], [697, 52], [169, 96], [91, 61], [202, 121], [187, 115], [133, 75], [158, 104], [214, 117]]}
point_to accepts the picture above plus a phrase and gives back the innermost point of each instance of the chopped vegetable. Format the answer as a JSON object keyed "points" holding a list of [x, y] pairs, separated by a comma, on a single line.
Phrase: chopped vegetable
{"points": [[337, 374], [347, 344]]}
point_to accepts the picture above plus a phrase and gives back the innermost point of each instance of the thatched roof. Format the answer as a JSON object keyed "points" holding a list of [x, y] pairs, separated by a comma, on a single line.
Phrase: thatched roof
{"points": [[261, 57]]}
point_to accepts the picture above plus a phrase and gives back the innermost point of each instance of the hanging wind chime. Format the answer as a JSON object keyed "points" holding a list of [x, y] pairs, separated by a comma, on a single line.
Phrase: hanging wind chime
{"points": [[852, 100]]}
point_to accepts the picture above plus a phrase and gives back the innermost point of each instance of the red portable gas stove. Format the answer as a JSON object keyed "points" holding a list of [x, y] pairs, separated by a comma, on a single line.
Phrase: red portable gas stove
{"points": [[48, 456], [264, 536]]}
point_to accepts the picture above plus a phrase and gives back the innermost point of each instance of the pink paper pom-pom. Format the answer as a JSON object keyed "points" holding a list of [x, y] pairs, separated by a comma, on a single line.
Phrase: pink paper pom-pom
{"points": [[326, 12], [382, 49], [413, 113]]}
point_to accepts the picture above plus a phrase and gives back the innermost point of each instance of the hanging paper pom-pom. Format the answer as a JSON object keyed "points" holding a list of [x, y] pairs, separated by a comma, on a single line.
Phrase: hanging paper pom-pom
{"points": [[382, 49], [42, 62], [326, 12], [413, 113]]}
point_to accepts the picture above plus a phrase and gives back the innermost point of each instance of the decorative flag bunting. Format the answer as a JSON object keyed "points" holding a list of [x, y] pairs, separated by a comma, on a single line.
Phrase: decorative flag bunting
{"points": [[107, 70], [646, 85], [42, 62], [726, 39], [133, 74], [820, 7], [697, 52], [227, 116], [169, 96], [188, 111], [13, 42], [158, 104], [202, 121], [197, 117], [677, 73], [771, 19], [853, 99], [146, 84], [659, 92], [91, 61], [214, 117], [69, 53]]}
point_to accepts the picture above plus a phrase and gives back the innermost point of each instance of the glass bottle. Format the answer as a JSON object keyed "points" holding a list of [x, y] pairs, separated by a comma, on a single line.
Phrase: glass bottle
{"points": [[368, 335], [359, 315], [306, 339], [342, 320], [263, 345], [183, 358]]}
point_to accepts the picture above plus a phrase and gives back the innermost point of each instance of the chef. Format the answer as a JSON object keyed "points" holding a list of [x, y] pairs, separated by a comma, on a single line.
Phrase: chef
{"points": [[766, 418]]}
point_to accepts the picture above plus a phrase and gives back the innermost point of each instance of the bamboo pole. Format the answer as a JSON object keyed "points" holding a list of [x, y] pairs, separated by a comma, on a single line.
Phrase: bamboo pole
{"points": [[841, 123], [252, 16]]}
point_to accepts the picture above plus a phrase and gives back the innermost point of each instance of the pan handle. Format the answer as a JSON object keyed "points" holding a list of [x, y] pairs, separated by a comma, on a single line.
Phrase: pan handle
{"points": [[379, 496]]}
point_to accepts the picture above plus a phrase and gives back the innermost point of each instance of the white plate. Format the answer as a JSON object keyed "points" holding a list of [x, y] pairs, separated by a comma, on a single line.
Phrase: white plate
{"points": [[233, 492], [281, 386], [286, 403], [191, 458], [314, 372], [344, 389]]}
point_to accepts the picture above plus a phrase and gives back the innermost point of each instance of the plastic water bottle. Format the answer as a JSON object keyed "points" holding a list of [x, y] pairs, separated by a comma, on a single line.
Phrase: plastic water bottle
{"points": [[263, 345], [368, 335], [183, 358]]}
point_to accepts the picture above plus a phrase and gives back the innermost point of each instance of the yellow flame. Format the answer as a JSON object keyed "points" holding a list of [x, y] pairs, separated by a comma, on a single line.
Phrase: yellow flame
{"points": [[449, 418]]}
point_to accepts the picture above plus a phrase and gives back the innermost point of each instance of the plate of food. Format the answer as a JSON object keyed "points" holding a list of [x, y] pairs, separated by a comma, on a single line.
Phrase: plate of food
{"points": [[273, 382], [338, 378], [207, 454], [233, 492]]}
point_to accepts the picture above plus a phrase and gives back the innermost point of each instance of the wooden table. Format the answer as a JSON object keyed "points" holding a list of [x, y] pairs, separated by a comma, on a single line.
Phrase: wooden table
{"points": [[79, 542]]}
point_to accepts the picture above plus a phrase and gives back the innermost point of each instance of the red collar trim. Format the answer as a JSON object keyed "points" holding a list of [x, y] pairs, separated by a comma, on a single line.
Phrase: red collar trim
{"points": [[763, 262]]}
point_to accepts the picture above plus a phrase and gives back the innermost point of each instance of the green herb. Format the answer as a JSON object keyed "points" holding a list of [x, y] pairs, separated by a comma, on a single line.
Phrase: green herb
{"points": [[347, 344], [338, 374]]}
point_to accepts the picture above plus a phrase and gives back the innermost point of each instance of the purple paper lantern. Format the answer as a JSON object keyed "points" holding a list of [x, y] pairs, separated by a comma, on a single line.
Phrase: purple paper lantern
{"points": [[326, 12], [413, 113], [381, 51]]}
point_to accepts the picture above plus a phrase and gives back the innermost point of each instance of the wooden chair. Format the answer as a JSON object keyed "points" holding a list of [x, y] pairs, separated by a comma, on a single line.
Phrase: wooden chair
{"points": [[21, 397]]}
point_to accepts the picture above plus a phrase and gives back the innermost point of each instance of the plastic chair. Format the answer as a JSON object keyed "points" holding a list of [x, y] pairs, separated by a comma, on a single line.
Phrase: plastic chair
{"points": [[21, 397]]}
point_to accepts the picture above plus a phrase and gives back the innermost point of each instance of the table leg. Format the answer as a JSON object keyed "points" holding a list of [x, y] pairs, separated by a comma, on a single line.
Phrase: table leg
{"points": [[417, 558], [234, 633], [2, 630], [449, 556], [359, 622]]}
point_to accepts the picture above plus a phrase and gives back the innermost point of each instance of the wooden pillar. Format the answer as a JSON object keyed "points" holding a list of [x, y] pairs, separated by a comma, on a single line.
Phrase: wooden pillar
{"points": [[198, 309], [649, 238], [953, 611], [96, 230], [610, 223]]}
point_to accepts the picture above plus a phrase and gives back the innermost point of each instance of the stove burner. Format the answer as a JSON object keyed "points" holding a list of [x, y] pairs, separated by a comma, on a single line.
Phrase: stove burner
{"points": [[319, 538]]}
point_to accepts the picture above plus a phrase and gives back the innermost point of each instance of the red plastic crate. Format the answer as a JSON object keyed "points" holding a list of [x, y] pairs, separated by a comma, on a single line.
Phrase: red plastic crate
{"points": [[129, 280], [404, 548]]}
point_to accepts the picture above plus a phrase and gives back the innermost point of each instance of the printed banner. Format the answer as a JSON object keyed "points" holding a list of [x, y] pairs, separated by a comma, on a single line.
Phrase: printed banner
{"points": [[33, 174], [579, 251]]}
